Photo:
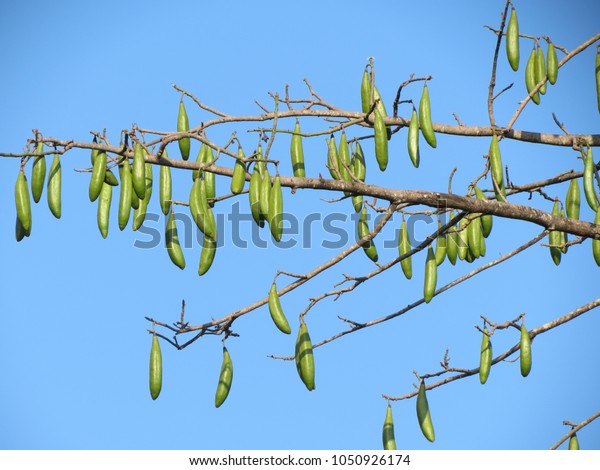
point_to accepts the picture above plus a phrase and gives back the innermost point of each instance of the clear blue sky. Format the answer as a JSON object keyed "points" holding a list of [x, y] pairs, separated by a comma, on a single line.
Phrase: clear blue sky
{"points": [[73, 341]]}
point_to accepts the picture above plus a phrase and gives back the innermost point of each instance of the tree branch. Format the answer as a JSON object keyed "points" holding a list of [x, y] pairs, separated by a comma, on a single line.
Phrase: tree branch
{"points": [[532, 334], [411, 306], [575, 429]]}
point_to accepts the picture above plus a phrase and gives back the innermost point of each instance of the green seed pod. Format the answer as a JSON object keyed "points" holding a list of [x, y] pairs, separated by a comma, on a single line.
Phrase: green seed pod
{"points": [[165, 187], [475, 237], [530, 74], [413, 139], [441, 244], [367, 99], [403, 248], [126, 194], [554, 238], [135, 200], [430, 281], [425, 118], [209, 178], [38, 174], [563, 235], [183, 125], [172, 242], [22, 201], [225, 378], [381, 141], [139, 214], [525, 344], [155, 368], [210, 225], [238, 180], [265, 194], [496, 165], [381, 108], [110, 178], [94, 152], [359, 169], [485, 357], [305, 362], [598, 76], [20, 232], [104, 209], [463, 239], [424, 415], [200, 211], [540, 69], [389, 441], [552, 64], [209, 249], [358, 163], [296, 152], [589, 190], [98, 173], [138, 172], [596, 243], [55, 187], [344, 160], [452, 241], [573, 200], [277, 312], [276, 209], [363, 230], [260, 159], [512, 40], [254, 196], [573, 442], [333, 163], [199, 159], [365, 92]]}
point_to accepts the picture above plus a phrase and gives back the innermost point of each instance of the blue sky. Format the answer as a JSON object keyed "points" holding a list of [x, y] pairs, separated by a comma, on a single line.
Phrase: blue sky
{"points": [[73, 342]]}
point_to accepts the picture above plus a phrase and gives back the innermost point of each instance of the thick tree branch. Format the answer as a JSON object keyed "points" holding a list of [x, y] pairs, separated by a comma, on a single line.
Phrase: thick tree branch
{"points": [[431, 199]]}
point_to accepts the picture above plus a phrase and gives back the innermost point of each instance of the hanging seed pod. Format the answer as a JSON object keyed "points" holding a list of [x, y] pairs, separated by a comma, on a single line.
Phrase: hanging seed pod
{"points": [[155, 368], [430, 281], [552, 64], [183, 125], [305, 362], [296, 152], [425, 122], [277, 312], [38, 174], [55, 187], [22, 201], [225, 379], [413, 139], [512, 40], [387, 435], [424, 415], [485, 357], [172, 242], [238, 180], [525, 359], [403, 248]]}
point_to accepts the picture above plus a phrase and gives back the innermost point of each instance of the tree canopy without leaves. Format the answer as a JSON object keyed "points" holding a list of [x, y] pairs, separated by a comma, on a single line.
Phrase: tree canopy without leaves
{"points": [[299, 145]]}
